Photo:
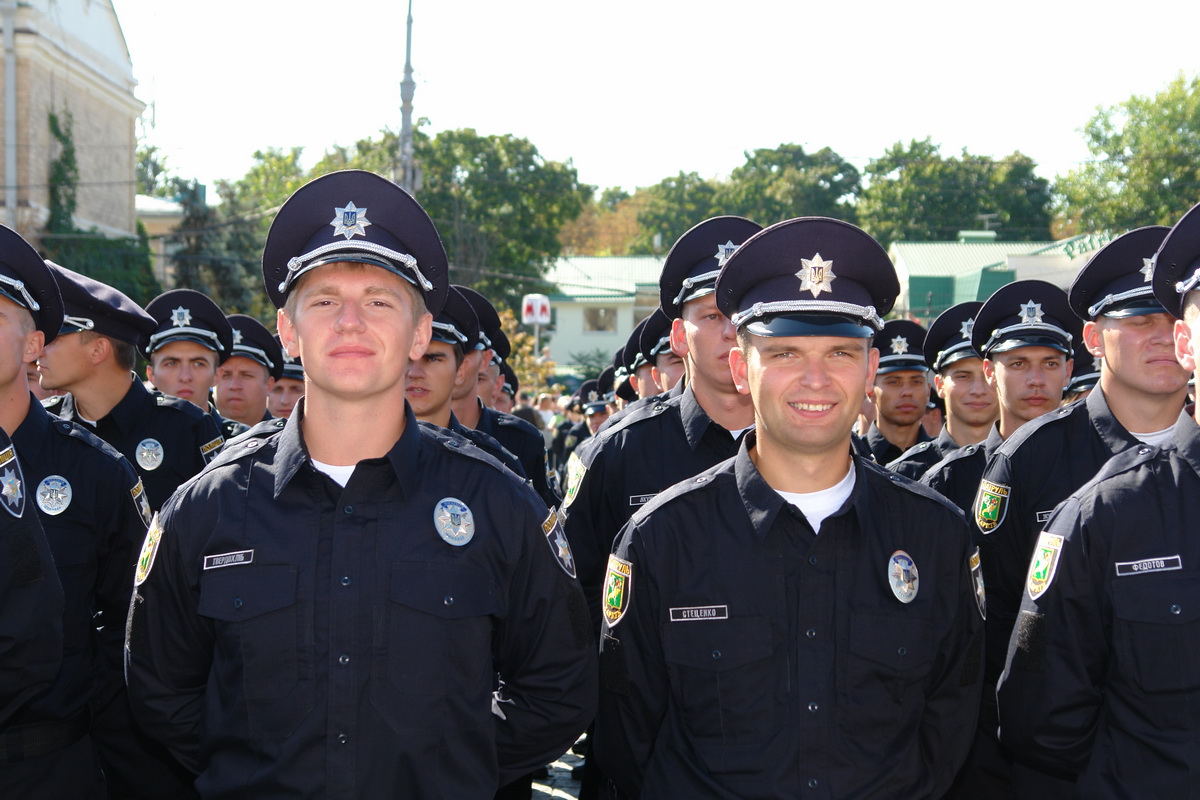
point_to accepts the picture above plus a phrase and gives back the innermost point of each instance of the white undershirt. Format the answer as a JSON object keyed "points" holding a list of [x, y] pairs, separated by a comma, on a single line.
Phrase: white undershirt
{"points": [[817, 506], [736, 434], [1155, 438], [341, 475]]}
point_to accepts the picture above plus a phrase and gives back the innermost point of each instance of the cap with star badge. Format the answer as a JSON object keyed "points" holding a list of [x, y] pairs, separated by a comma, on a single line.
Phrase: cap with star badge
{"points": [[1176, 265], [90, 305], [488, 321], [27, 281], [292, 366], [359, 217], [511, 384], [1025, 314], [949, 337], [810, 276], [899, 345], [1115, 282], [655, 337], [185, 315], [1085, 373], [457, 323], [252, 340], [632, 355], [696, 259]]}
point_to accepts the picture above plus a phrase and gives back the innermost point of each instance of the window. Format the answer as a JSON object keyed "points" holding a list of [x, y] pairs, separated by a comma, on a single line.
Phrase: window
{"points": [[600, 320]]}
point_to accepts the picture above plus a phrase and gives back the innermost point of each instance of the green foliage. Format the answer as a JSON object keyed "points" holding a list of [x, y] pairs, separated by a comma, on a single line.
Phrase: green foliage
{"points": [[591, 363], [203, 261], [915, 194], [121, 263], [670, 208], [153, 176], [1144, 169], [786, 182]]}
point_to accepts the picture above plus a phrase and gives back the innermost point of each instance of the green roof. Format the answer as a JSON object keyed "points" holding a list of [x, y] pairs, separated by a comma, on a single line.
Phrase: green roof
{"points": [[580, 278], [951, 259]]}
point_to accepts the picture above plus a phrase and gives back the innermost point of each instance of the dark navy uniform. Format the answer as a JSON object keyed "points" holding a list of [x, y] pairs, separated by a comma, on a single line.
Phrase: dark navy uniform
{"points": [[525, 442], [310, 595], [229, 428], [914, 461], [487, 444], [1101, 679], [166, 439], [956, 477], [31, 597], [786, 665], [614, 476], [882, 450]]}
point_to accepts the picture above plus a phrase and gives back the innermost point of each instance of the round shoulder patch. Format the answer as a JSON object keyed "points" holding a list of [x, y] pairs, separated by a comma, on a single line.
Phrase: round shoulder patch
{"points": [[454, 521]]}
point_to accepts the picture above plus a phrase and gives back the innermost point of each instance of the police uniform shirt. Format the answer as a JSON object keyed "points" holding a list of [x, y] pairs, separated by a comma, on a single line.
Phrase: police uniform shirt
{"points": [[882, 448], [956, 477], [622, 469], [914, 461], [1026, 477], [166, 439], [229, 428], [744, 656], [356, 633], [92, 508], [485, 443], [525, 442], [31, 596], [1101, 678]]}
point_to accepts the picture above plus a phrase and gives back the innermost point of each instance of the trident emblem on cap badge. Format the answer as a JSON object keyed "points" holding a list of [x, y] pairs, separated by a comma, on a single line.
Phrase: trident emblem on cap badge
{"points": [[816, 275]]}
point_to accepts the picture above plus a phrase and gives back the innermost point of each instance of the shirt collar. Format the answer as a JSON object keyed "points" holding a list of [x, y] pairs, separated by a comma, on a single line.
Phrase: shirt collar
{"points": [[695, 419], [1185, 438], [1112, 432], [31, 433]]}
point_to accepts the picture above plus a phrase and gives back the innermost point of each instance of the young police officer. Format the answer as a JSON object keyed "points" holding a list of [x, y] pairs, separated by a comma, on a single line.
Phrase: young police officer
{"points": [[1101, 681], [794, 621], [900, 393], [325, 611]]}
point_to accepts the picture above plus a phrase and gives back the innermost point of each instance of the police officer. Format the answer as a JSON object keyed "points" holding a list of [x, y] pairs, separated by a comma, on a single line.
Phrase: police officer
{"points": [[166, 439], [666, 368], [246, 378], [78, 735], [794, 621], [289, 387], [1100, 681], [900, 392], [191, 340], [970, 401], [506, 398], [324, 611], [31, 596], [1085, 374], [516, 435]]}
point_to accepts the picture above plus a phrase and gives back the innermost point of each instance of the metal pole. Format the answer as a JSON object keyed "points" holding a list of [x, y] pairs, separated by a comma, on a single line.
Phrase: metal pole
{"points": [[408, 88], [8, 9]]}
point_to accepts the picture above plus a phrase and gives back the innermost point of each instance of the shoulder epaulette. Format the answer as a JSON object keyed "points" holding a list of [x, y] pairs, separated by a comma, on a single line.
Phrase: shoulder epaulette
{"points": [[72, 430], [908, 484], [1031, 428], [53, 404], [454, 443], [185, 407]]}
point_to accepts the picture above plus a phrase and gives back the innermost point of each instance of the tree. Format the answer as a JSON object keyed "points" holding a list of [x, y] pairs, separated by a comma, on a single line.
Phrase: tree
{"points": [[203, 262], [153, 176], [533, 372], [670, 208], [787, 182], [1144, 169], [604, 228], [914, 194]]}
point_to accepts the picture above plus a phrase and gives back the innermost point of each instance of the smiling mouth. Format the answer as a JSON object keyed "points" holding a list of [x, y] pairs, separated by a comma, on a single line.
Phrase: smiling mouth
{"points": [[811, 406]]}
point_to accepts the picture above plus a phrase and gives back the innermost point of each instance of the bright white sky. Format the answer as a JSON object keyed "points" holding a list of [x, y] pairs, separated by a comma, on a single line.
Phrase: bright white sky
{"points": [[634, 91]]}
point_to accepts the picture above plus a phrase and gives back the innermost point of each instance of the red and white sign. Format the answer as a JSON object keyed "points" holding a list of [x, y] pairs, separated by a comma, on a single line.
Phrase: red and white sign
{"points": [[535, 309]]}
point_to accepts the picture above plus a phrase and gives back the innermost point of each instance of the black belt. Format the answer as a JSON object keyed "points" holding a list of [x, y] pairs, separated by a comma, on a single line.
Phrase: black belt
{"points": [[38, 738]]}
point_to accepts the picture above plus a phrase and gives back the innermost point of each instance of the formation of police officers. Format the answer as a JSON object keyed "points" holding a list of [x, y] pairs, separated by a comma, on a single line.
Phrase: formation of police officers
{"points": [[784, 548]]}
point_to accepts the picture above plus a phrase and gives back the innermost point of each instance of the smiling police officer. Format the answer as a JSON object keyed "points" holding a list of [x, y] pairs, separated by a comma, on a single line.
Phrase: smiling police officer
{"points": [[324, 612]]}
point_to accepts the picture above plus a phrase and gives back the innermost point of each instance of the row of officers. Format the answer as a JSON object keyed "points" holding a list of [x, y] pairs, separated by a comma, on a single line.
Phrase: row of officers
{"points": [[744, 590]]}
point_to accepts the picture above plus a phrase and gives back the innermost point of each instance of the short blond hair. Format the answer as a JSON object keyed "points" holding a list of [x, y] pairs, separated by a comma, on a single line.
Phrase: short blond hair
{"points": [[417, 297]]}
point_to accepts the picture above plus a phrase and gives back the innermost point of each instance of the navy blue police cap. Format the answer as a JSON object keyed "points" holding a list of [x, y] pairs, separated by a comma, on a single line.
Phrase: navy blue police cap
{"points": [[89, 305], [501, 348], [605, 382], [292, 366], [949, 337], [1176, 268], [1115, 282], [655, 337], [810, 276], [185, 315], [457, 323], [252, 340], [696, 259], [619, 364], [587, 394], [355, 216], [1025, 314], [511, 384], [27, 281], [1085, 373], [634, 356], [485, 314], [626, 392], [899, 344]]}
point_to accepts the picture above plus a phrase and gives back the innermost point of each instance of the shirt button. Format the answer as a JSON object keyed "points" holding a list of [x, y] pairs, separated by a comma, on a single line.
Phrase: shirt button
{"points": [[448, 600], [348, 509], [237, 602], [813, 707], [343, 659], [1175, 609], [345, 580], [716, 655], [812, 560], [813, 783], [902, 651], [811, 633], [343, 738]]}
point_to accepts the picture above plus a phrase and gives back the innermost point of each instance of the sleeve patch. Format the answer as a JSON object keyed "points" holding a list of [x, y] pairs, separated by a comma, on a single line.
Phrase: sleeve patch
{"points": [[991, 504], [575, 472], [149, 551], [618, 584], [1044, 564], [210, 450], [553, 530]]}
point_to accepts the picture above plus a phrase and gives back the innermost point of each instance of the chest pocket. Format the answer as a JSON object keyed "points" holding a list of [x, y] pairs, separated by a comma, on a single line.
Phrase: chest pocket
{"points": [[888, 660], [435, 647], [262, 643], [723, 675], [1157, 632]]}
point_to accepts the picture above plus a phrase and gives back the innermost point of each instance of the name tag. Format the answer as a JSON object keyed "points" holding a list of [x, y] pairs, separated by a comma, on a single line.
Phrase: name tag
{"points": [[699, 613], [1164, 564], [1044, 516], [229, 559], [639, 499]]}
